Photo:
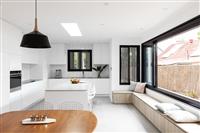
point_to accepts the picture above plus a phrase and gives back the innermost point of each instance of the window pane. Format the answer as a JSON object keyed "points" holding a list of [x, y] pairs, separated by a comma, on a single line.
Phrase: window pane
{"points": [[179, 63], [74, 60], [79, 60], [133, 64], [124, 65], [86, 60], [148, 65]]}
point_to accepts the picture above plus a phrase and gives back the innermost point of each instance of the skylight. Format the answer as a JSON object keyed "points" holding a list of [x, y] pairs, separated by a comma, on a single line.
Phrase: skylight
{"points": [[72, 29]]}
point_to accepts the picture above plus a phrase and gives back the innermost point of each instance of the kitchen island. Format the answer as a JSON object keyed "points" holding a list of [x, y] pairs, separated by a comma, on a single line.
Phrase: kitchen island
{"points": [[62, 93]]}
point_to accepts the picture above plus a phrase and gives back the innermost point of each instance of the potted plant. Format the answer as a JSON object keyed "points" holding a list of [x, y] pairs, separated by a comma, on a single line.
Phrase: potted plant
{"points": [[99, 69]]}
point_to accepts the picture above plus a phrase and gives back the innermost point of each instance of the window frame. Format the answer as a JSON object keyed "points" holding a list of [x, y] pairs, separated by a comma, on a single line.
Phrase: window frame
{"points": [[194, 22], [138, 63], [80, 51]]}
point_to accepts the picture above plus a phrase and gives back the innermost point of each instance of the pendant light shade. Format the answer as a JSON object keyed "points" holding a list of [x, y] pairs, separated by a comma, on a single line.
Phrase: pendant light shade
{"points": [[35, 39]]}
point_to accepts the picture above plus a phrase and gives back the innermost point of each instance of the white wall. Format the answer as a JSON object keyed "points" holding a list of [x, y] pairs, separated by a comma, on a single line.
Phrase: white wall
{"points": [[63, 66], [115, 44]]}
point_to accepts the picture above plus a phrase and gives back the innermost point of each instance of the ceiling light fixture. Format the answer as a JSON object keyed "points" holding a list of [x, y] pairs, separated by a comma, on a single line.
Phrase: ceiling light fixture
{"points": [[72, 29], [35, 39]]}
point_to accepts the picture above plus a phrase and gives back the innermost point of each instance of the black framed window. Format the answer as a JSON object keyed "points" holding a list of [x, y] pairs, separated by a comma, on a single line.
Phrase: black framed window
{"points": [[79, 60], [171, 62], [129, 64], [148, 65]]}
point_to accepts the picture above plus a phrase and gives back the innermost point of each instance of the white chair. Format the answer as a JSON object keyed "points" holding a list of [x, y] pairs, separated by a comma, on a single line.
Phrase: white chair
{"points": [[70, 106], [91, 95]]}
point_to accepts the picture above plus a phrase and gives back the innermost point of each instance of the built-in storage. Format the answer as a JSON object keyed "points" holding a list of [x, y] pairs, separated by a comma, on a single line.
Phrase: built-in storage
{"points": [[122, 97], [101, 84], [101, 54], [15, 100], [29, 94], [29, 56], [32, 93], [57, 54], [161, 121], [32, 88], [31, 72]]}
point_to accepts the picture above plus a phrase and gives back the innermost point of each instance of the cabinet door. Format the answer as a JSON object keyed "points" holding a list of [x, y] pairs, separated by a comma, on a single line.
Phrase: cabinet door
{"points": [[30, 56], [15, 101], [100, 58], [102, 86], [15, 62], [32, 93], [57, 54]]}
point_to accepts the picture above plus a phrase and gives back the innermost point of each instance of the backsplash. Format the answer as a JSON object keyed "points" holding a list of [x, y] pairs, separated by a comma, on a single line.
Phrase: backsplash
{"points": [[66, 74]]}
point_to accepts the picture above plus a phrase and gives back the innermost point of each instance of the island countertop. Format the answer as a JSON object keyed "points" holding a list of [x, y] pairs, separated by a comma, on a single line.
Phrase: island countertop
{"points": [[68, 86]]}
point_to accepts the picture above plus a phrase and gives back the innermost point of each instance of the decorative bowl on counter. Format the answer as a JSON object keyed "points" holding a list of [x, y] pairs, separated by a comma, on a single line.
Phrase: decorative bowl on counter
{"points": [[75, 81]]}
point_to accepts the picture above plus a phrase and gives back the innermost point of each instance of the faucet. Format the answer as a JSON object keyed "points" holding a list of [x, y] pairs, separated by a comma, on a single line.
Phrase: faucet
{"points": [[83, 74]]}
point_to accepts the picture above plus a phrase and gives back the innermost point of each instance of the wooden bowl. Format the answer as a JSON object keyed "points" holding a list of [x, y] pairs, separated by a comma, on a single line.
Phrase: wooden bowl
{"points": [[75, 81]]}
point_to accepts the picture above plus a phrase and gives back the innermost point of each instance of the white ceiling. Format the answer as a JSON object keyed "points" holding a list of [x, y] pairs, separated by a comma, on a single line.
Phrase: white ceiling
{"points": [[99, 21]]}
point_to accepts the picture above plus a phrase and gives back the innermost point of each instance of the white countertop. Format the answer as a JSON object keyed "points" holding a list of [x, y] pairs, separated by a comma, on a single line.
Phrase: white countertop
{"points": [[68, 86]]}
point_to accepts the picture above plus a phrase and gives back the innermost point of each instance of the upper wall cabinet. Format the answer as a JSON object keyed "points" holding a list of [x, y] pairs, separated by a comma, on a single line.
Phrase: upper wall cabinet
{"points": [[101, 54], [57, 54], [30, 56]]}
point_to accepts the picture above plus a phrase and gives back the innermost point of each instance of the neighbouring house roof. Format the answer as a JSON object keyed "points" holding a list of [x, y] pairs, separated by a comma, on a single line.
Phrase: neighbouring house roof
{"points": [[181, 52]]}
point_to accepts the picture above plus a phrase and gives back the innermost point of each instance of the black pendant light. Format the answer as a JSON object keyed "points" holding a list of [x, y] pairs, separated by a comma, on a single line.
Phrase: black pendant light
{"points": [[35, 39]]}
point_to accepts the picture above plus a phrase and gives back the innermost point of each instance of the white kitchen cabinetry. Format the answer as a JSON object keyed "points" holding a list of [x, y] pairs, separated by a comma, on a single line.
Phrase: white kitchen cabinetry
{"points": [[29, 94], [102, 85], [101, 54], [57, 54], [15, 62], [15, 101], [30, 56], [32, 92]]}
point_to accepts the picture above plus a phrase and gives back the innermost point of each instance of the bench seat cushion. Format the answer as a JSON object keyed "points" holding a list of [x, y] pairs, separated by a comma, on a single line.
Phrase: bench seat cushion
{"points": [[147, 99], [122, 91]]}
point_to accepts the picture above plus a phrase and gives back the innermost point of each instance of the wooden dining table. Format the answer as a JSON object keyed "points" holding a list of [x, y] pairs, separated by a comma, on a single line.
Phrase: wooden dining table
{"points": [[67, 121]]}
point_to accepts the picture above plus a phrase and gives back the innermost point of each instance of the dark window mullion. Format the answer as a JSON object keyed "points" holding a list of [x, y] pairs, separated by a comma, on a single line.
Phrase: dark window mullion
{"points": [[80, 59], [128, 65]]}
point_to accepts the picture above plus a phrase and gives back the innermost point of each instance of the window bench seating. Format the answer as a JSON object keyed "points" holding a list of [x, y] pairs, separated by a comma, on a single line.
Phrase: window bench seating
{"points": [[146, 105]]}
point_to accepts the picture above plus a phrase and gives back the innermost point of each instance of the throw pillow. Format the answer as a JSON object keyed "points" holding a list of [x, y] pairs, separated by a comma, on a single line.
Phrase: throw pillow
{"points": [[140, 87], [164, 107], [182, 116], [132, 85]]}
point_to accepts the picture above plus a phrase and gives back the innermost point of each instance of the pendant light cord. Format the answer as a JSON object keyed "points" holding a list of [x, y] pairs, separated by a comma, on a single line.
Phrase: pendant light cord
{"points": [[36, 24], [35, 8]]}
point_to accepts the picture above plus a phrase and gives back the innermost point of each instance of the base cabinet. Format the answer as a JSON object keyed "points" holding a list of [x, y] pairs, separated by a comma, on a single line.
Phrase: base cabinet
{"points": [[102, 85], [122, 97], [32, 92], [160, 121], [28, 95]]}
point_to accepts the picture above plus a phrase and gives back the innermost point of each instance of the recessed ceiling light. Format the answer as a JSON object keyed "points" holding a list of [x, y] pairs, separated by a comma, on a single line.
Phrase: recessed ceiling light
{"points": [[72, 29]]}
